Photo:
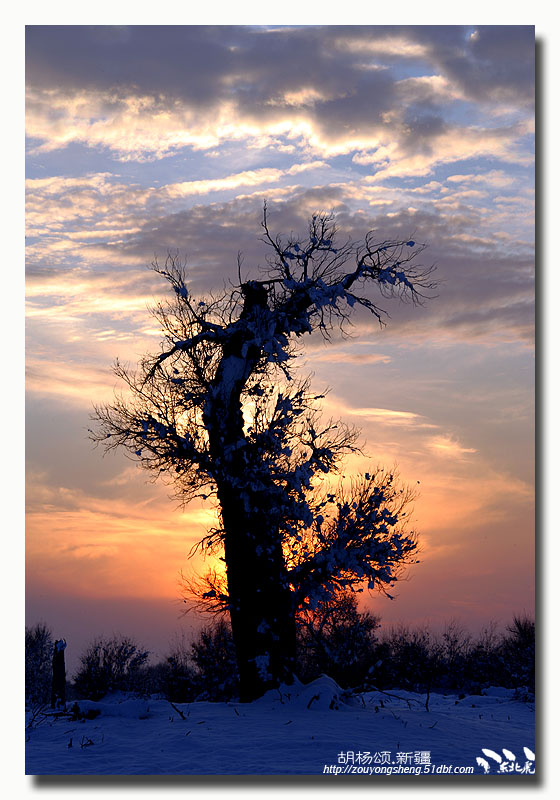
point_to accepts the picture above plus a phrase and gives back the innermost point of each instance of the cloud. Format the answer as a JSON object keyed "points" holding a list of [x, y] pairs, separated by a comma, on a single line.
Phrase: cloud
{"points": [[92, 551], [390, 44], [448, 447], [338, 357], [148, 139], [116, 536], [385, 415], [427, 142], [485, 274], [495, 178], [247, 178], [72, 382], [327, 89], [495, 66]]}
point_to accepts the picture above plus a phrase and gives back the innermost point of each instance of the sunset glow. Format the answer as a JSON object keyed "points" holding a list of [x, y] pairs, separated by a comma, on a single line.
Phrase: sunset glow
{"points": [[423, 132]]}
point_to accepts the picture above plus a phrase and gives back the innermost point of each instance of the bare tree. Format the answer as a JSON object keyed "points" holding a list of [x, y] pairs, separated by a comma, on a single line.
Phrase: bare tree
{"points": [[220, 413]]}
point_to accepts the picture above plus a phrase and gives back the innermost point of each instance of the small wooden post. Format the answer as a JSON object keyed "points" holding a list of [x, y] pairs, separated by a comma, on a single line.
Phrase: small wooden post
{"points": [[58, 693]]}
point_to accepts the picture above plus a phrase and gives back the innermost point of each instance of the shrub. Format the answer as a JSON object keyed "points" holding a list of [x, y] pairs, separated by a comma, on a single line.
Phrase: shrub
{"points": [[110, 665], [453, 650], [213, 654], [519, 653], [337, 640], [175, 678], [38, 664], [484, 661], [419, 661], [406, 659]]}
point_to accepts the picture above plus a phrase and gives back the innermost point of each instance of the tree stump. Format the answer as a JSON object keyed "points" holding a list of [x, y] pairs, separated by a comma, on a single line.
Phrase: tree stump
{"points": [[58, 693]]}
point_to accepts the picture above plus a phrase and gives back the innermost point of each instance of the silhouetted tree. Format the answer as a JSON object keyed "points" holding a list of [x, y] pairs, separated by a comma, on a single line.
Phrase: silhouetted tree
{"points": [[219, 412], [336, 639], [213, 653], [38, 664], [519, 652], [109, 665]]}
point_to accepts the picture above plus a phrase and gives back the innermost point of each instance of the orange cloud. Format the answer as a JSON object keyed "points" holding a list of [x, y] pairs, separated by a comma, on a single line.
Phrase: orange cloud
{"points": [[447, 446], [101, 546]]}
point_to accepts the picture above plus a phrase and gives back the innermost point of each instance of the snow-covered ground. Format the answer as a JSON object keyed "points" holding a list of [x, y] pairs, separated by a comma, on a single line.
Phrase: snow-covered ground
{"points": [[298, 730]]}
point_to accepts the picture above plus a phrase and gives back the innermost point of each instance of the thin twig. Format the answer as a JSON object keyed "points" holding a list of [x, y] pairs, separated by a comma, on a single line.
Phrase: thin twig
{"points": [[178, 710]]}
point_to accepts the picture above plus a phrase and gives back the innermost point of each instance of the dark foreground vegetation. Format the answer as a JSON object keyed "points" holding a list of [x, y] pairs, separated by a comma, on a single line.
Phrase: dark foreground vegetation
{"points": [[337, 640]]}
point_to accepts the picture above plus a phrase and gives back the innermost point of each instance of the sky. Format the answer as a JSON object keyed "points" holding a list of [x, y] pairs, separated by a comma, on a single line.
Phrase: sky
{"points": [[144, 140]]}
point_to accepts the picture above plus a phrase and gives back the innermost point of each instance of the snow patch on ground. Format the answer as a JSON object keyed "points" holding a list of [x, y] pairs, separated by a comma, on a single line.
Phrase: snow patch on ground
{"points": [[294, 730]]}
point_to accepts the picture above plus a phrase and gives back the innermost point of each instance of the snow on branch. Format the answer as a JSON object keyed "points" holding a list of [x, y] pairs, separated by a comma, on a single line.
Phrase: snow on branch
{"points": [[357, 537], [220, 413], [310, 284]]}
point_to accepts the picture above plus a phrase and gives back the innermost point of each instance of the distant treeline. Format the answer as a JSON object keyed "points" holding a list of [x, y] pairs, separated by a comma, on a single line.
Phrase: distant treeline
{"points": [[335, 639]]}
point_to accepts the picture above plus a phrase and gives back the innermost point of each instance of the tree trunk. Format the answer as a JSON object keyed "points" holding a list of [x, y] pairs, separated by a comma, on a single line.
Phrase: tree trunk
{"points": [[261, 607], [261, 610], [260, 600]]}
